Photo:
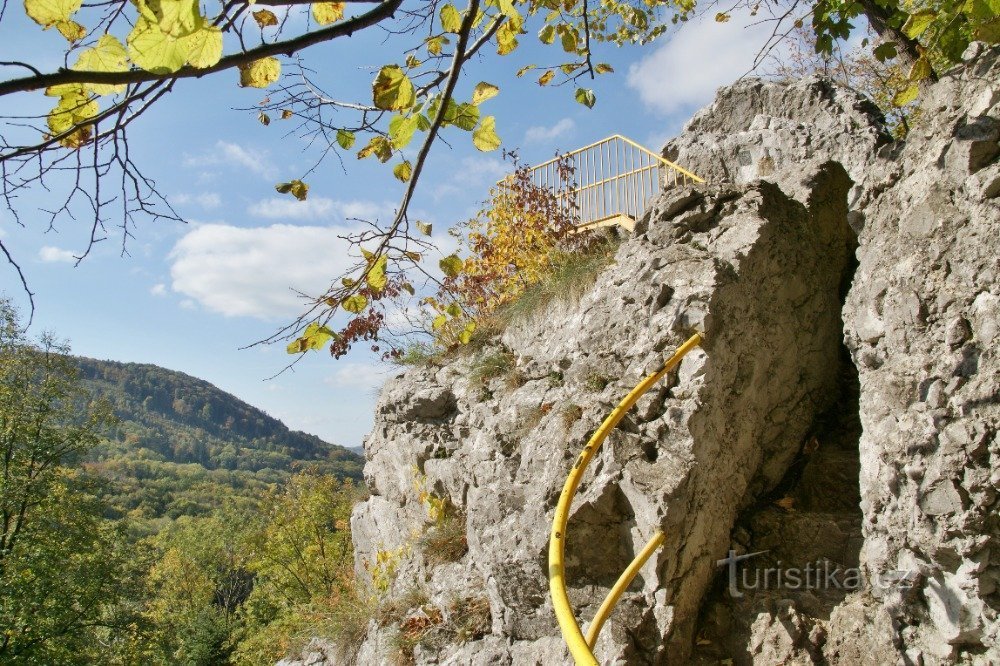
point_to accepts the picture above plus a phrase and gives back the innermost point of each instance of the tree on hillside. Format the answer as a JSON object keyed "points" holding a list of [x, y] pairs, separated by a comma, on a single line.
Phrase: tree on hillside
{"points": [[64, 570], [122, 58]]}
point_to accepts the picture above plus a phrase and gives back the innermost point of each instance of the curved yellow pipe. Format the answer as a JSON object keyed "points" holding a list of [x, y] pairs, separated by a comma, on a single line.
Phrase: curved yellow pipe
{"points": [[578, 647], [594, 630]]}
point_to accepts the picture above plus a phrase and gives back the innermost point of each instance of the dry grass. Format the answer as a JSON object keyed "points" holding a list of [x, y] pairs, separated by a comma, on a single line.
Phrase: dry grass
{"points": [[446, 541]]}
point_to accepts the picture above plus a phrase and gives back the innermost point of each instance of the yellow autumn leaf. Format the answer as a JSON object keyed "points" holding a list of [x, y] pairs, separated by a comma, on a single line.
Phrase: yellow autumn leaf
{"points": [[153, 50], [177, 18], [204, 47], [265, 18], [485, 136], [260, 73], [484, 91], [325, 13], [108, 55], [48, 13], [76, 106], [392, 90], [71, 30]]}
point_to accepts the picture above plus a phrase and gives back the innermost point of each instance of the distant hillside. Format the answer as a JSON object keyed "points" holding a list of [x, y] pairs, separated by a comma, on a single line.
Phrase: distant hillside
{"points": [[184, 446]]}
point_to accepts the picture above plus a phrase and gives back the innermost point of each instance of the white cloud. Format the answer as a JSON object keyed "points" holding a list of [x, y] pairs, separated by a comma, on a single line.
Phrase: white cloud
{"points": [[158, 289], [255, 272], [702, 55], [316, 208], [207, 200], [233, 154], [357, 376], [55, 254], [545, 134], [475, 171]]}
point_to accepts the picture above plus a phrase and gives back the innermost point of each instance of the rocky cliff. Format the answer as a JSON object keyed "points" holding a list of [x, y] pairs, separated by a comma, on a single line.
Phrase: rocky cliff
{"points": [[843, 410]]}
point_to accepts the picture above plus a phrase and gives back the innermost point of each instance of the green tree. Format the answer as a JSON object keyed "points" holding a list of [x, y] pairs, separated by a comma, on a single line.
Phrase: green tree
{"points": [[65, 572], [303, 561], [198, 585]]}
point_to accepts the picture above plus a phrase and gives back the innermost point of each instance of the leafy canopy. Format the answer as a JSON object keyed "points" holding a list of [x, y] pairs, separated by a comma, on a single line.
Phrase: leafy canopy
{"points": [[127, 55]]}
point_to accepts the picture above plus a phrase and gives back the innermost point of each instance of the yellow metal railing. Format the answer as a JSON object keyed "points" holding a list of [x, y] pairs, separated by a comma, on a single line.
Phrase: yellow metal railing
{"points": [[582, 649], [613, 180]]}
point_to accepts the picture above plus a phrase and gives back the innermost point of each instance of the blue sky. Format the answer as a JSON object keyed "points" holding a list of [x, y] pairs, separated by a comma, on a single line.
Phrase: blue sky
{"points": [[189, 296]]}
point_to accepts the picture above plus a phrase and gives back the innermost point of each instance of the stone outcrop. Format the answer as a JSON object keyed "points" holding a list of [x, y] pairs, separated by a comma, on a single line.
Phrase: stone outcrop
{"points": [[806, 191], [923, 325]]}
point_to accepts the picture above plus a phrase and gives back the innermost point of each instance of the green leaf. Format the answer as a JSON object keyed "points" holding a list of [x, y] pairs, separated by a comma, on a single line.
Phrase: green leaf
{"points": [[604, 68], [325, 13], [439, 321], [48, 13], [466, 117], [904, 97], [988, 32], [485, 137], [401, 129], [454, 310], [466, 335], [483, 92], [570, 39], [451, 265], [296, 188], [918, 23], [392, 89], [108, 55], [408, 288], [403, 171], [586, 97], [524, 70], [921, 69], [376, 274], [547, 35], [260, 73], [885, 51], [355, 304], [451, 20], [545, 78], [425, 227], [345, 139]]}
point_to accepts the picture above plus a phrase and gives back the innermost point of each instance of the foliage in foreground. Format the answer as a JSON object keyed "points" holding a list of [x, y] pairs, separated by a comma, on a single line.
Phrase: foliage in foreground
{"points": [[240, 584]]}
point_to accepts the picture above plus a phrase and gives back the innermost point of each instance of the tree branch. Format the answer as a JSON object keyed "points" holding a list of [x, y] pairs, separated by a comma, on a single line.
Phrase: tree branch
{"points": [[288, 47]]}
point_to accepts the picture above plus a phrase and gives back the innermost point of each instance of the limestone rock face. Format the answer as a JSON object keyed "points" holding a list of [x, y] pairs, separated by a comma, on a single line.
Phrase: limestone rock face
{"points": [[922, 325], [805, 192], [760, 274]]}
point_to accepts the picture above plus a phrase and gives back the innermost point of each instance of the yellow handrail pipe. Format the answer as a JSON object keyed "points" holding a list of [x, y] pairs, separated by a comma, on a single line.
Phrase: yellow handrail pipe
{"points": [[594, 630], [580, 647]]}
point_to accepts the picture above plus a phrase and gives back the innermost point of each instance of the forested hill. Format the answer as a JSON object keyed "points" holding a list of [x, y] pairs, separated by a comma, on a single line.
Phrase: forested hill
{"points": [[183, 446]]}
